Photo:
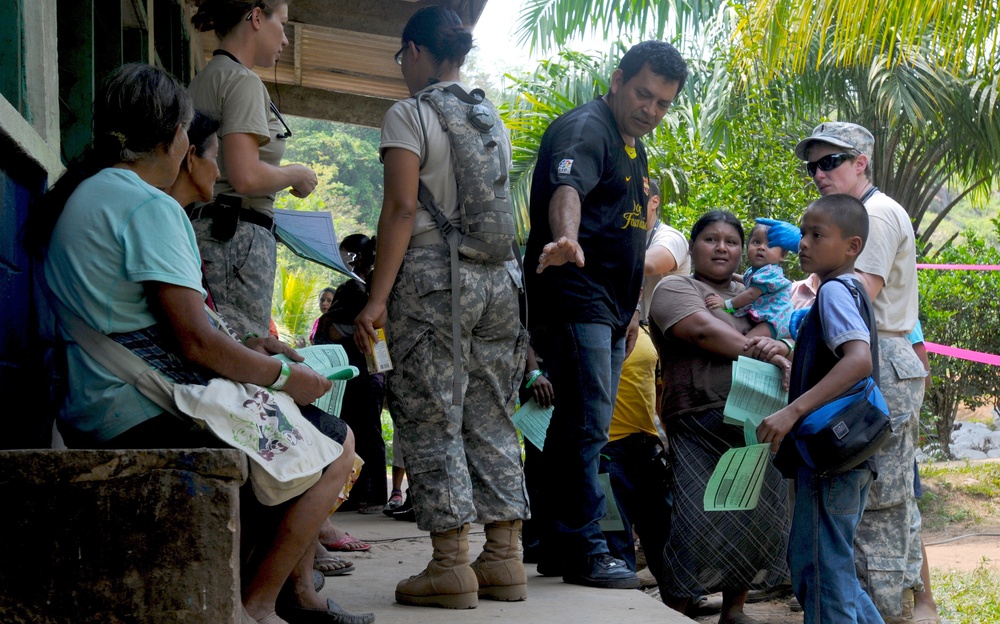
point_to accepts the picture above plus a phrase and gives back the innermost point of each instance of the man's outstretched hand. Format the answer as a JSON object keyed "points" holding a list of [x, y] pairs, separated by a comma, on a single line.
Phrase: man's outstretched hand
{"points": [[560, 252]]}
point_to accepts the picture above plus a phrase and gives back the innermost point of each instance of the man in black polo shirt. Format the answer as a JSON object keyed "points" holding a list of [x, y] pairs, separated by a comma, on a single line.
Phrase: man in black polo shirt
{"points": [[583, 268]]}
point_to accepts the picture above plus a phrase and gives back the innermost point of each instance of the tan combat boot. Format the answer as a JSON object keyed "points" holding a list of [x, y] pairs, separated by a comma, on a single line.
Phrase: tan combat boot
{"points": [[499, 569], [448, 581]]}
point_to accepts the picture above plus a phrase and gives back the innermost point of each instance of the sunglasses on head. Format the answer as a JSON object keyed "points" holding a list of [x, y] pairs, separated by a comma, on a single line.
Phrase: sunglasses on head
{"points": [[828, 163]]}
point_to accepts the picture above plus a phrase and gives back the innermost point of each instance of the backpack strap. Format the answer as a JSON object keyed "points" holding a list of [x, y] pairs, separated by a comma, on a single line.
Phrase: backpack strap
{"points": [[451, 235], [867, 312]]}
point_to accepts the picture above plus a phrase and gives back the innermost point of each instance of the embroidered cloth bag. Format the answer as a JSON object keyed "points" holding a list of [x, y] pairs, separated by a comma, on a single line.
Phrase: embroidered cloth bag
{"points": [[289, 453]]}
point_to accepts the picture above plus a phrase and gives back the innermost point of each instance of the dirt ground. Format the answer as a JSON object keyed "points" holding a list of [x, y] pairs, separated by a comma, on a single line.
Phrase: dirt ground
{"points": [[963, 555]]}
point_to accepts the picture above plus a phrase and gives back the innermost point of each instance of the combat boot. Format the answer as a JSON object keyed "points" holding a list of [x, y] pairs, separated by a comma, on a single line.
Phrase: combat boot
{"points": [[498, 569], [448, 581]]}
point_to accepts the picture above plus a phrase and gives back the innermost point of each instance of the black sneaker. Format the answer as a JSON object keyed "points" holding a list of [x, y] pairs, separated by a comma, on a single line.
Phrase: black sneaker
{"points": [[606, 572], [405, 511]]}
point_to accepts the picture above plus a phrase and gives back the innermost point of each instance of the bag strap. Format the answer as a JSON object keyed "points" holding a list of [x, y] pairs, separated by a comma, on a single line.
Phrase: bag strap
{"points": [[119, 361], [451, 235], [867, 312]]}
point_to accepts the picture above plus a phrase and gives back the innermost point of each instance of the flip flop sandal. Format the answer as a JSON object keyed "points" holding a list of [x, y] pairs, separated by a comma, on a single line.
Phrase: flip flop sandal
{"points": [[331, 565], [369, 510], [348, 543]]}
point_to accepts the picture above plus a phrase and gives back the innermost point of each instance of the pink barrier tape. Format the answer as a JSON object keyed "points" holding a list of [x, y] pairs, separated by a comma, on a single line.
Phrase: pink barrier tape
{"points": [[961, 267], [963, 354]]}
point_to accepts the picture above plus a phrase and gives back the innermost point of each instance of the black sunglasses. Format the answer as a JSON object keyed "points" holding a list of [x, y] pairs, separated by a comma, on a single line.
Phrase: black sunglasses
{"points": [[828, 163], [288, 131]]}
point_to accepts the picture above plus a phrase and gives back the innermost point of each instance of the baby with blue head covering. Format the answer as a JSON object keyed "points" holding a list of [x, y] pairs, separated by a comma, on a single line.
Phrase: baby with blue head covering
{"points": [[767, 298]]}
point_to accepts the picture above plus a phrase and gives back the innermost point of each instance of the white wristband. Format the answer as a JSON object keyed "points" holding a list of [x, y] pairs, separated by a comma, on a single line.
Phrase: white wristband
{"points": [[283, 376]]}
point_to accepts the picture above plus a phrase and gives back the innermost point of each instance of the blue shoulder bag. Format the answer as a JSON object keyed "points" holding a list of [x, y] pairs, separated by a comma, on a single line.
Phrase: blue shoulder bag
{"points": [[848, 430]]}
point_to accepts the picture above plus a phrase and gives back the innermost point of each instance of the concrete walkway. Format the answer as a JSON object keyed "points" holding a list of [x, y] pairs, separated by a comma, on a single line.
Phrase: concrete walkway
{"points": [[399, 550]]}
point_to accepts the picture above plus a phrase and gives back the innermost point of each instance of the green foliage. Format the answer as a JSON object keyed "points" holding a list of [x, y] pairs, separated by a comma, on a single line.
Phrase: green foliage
{"points": [[387, 430], [345, 159], [966, 215], [551, 24], [295, 303], [349, 156], [753, 174], [960, 308], [968, 597]]}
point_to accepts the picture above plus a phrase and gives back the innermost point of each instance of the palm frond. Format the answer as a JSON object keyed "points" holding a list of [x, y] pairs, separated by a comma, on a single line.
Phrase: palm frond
{"points": [[548, 25], [777, 35]]}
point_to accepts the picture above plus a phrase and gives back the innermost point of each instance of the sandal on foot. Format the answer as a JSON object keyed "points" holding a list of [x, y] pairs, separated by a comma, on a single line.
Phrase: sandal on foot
{"points": [[370, 510], [348, 543], [334, 614], [704, 605], [331, 565], [395, 502]]}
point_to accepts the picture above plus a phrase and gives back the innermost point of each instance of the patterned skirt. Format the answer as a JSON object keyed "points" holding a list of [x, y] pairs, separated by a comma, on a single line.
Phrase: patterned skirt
{"points": [[711, 551]]}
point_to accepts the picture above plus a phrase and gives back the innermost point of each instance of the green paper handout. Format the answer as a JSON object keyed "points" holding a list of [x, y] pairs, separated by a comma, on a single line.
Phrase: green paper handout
{"points": [[612, 520], [736, 481], [533, 422], [330, 361], [756, 392]]}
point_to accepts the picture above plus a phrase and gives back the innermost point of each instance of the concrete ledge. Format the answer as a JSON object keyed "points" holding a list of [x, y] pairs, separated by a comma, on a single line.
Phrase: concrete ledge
{"points": [[120, 536]]}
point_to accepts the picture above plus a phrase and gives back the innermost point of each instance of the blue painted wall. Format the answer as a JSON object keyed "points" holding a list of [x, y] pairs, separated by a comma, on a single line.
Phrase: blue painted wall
{"points": [[24, 378]]}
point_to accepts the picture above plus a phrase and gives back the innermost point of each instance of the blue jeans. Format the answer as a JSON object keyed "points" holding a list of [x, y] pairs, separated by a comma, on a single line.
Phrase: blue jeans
{"points": [[584, 363], [821, 547]]}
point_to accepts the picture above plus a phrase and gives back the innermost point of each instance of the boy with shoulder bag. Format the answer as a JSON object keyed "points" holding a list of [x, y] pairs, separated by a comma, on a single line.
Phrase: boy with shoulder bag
{"points": [[833, 367]]}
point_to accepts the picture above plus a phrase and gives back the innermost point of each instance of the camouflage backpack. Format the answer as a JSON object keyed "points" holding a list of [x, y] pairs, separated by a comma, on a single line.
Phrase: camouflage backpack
{"points": [[475, 132], [486, 233]]}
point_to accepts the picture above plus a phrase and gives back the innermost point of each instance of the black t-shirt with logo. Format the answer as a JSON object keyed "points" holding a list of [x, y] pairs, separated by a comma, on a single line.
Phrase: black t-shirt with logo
{"points": [[583, 149]]}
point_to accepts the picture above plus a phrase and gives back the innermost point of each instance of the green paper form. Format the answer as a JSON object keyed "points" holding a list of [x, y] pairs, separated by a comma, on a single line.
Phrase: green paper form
{"points": [[612, 520], [736, 481], [533, 422], [756, 392], [330, 361]]}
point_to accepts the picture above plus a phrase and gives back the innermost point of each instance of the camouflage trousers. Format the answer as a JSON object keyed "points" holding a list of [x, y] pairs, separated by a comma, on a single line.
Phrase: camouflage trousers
{"points": [[887, 549], [240, 274], [463, 462]]}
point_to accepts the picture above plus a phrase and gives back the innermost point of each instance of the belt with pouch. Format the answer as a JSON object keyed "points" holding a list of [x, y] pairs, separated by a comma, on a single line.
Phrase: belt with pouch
{"points": [[230, 206]]}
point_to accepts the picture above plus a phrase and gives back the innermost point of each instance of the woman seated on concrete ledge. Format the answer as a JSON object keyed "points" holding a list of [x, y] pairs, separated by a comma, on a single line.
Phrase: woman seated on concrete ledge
{"points": [[120, 254]]}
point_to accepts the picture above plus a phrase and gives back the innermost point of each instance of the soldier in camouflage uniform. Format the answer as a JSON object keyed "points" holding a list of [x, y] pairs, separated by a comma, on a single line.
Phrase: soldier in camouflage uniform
{"points": [[463, 460], [236, 231], [237, 272], [887, 545]]}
